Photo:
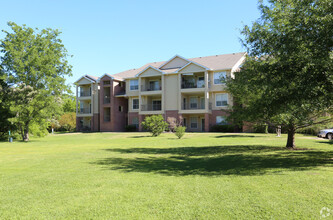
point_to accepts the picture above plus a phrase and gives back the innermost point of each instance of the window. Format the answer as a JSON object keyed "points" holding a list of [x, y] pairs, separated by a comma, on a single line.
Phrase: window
{"points": [[135, 121], [120, 108], [154, 85], [107, 113], [201, 82], [157, 105], [221, 100], [134, 84], [220, 120], [193, 102], [194, 122], [219, 77], [135, 103], [106, 82]]}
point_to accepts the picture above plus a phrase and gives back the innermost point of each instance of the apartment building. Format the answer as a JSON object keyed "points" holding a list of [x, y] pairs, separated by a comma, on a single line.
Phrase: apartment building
{"points": [[188, 90]]}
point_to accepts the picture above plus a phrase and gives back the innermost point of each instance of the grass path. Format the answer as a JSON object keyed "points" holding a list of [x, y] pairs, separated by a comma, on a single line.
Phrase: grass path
{"points": [[132, 176]]}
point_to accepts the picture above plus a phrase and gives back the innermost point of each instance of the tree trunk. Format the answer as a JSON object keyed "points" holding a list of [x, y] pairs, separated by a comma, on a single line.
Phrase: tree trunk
{"points": [[26, 133], [291, 137]]}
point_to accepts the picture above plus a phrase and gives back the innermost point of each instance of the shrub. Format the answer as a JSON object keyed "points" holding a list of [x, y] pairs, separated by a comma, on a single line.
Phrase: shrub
{"points": [[180, 131], [154, 124], [68, 121], [260, 128], [222, 128], [130, 128]]}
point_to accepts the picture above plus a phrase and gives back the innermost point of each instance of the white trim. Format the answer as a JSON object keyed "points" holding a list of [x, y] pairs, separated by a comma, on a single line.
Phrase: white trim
{"points": [[86, 79], [139, 73], [214, 77], [227, 99], [196, 123], [130, 85], [166, 62], [133, 104], [192, 62]]}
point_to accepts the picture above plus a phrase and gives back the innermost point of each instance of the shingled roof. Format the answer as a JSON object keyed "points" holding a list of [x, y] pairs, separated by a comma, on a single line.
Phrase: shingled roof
{"points": [[217, 62]]}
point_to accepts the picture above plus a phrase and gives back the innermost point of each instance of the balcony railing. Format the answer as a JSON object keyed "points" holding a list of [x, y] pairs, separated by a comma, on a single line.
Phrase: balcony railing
{"points": [[106, 100], [150, 88], [85, 111], [195, 106], [85, 93], [191, 85], [151, 107], [192, 106]]}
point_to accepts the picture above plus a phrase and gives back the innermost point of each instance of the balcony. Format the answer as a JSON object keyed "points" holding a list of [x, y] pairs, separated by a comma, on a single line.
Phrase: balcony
{"points": [[150, 88], [85, 111], [85, 93], [151, 107], [193, 85]]}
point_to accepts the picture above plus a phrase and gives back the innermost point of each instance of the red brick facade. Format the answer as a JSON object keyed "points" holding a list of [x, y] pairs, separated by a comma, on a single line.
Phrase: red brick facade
{"points": [[118, 105]]}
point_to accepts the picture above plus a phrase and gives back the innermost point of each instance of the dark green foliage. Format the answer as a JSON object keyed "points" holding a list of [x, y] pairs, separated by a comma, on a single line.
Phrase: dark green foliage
{"points": [[130, 128], [287, 78], [222, 128], [5, 113], [260, 128], [155, 124], [180, 131]]}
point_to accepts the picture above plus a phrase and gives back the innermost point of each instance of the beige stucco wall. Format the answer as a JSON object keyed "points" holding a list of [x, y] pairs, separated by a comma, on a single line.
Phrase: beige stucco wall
{"points": [[131, 92], [175, 63], [212, 100], [192, 68], [150, 72], [171, 92], [130, 104], [217, 87]]}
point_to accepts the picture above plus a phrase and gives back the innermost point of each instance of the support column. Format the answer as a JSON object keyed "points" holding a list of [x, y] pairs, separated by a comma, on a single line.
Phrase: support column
{"points": [[77, 100], [206, 122], [206, 92], [140, 120], [179, 92]]}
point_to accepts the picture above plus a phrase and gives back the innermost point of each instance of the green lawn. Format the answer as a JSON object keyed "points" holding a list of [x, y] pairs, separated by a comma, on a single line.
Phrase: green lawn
{"points": [[132, 176]]}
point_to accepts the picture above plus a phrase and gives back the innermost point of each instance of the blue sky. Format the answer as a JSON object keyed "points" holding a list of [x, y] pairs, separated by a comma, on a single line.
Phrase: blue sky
{"points": [[113, 36]]}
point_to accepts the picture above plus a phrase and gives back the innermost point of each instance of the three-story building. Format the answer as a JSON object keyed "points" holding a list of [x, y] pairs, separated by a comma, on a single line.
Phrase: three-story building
{"points": [[187, 90]]}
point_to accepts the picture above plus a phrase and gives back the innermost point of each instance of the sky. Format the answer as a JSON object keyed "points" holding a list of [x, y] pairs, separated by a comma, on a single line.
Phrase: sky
{"points": [[114, 36]]}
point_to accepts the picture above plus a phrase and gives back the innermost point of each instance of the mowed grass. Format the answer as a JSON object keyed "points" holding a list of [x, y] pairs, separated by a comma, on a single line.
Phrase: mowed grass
{"points": [[133, 176]]}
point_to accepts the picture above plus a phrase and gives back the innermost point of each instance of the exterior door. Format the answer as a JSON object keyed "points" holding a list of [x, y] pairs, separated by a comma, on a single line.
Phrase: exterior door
{"points": [[202, 124]]}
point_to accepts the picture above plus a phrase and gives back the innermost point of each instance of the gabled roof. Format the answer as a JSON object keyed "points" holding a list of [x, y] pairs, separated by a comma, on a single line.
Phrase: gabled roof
{"points": [[165, 63], [216, 62], [192, 62], [148, 67], [90, 78]]}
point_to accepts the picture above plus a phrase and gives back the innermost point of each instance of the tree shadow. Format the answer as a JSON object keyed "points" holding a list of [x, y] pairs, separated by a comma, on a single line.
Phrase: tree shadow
{"points": [[236, 136], [216, 160], [326, 142], [138, 136]]}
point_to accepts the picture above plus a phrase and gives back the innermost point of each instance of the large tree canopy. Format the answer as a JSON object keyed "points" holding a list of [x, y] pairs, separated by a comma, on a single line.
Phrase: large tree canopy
{"points": [[35, 64], [287, 78]]}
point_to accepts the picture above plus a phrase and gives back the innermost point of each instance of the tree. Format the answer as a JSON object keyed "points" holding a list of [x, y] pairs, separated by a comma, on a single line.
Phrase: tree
{"points": [[69, 103], [287, 78], [180, 131], [5, 113], [68, 121], [155, 124], [35, 63]]}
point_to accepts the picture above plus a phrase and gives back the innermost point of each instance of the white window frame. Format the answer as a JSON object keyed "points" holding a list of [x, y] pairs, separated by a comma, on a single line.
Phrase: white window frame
{"points": [[137, 104], [196, 102], [219, 77], [218, 94], [221, 121], [137, 84], [196, 118]]}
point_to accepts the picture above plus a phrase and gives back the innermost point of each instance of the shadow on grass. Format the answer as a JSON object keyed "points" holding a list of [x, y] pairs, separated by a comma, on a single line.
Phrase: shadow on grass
{"points": [[138, 136], [326, 142], [236, 136], [216, 160]]}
